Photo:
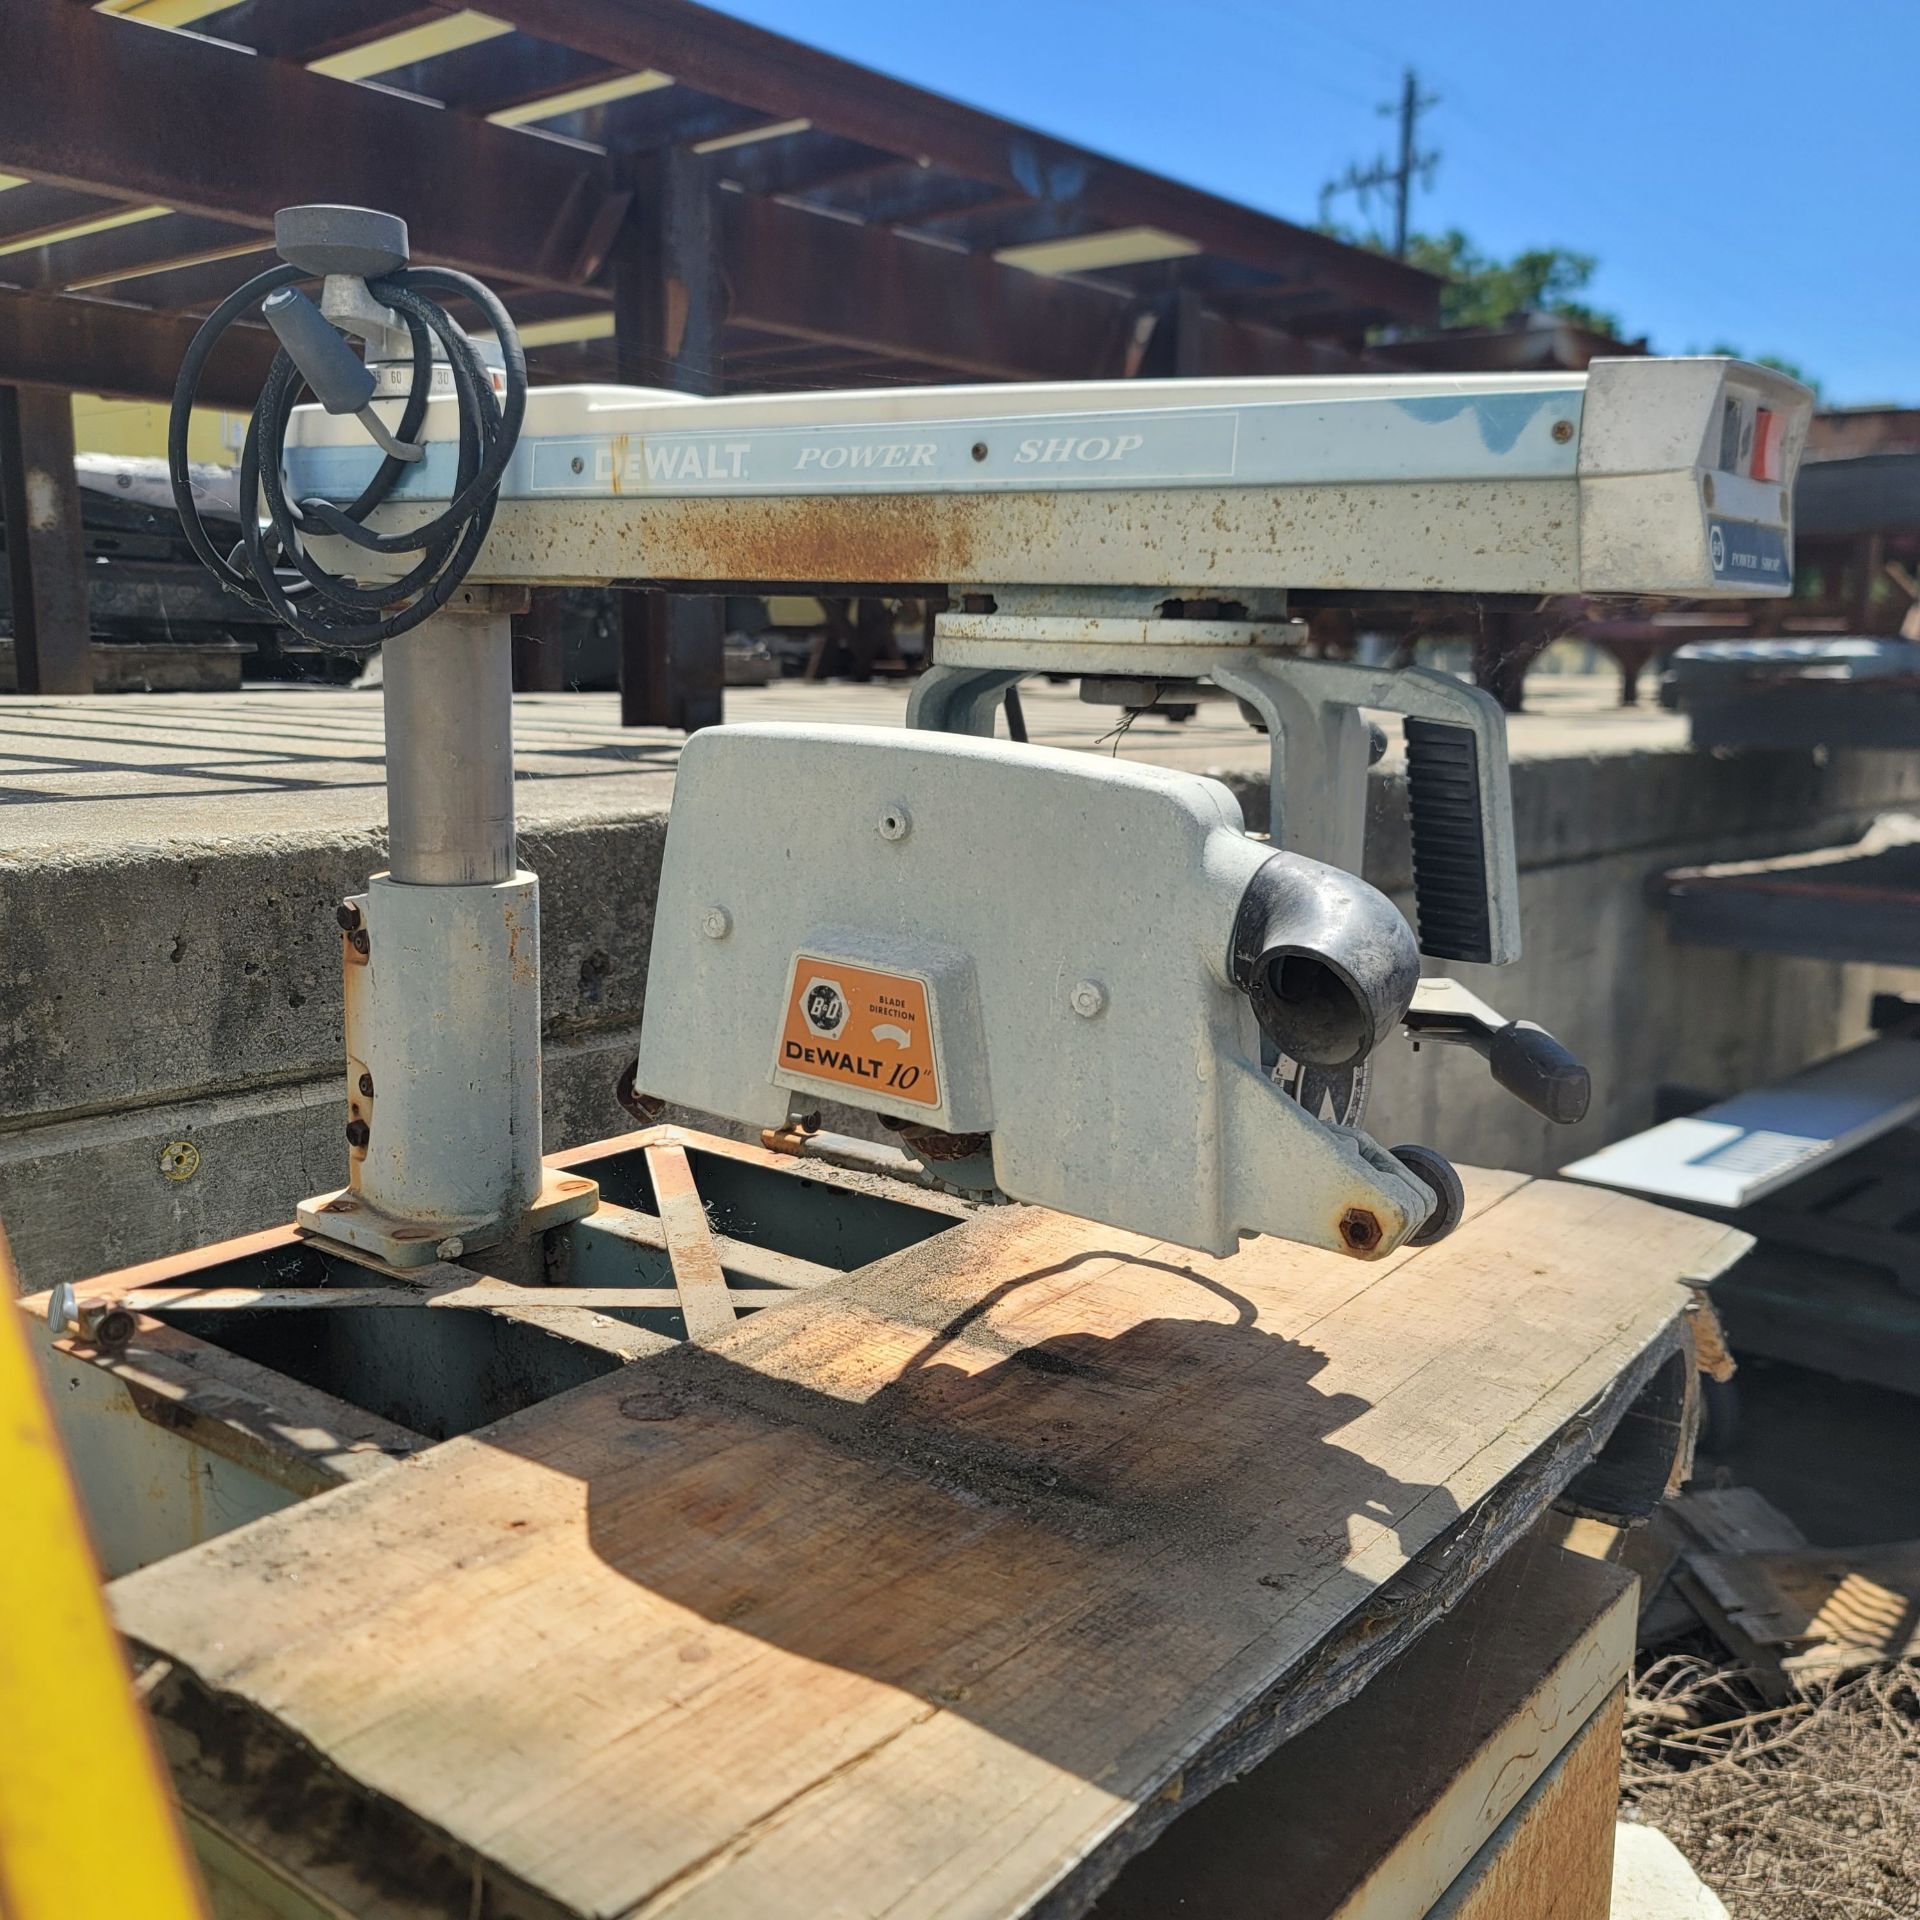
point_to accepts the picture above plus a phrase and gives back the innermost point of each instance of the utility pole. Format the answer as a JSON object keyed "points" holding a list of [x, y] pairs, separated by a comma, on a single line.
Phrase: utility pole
{"points": [[1413, 164]]}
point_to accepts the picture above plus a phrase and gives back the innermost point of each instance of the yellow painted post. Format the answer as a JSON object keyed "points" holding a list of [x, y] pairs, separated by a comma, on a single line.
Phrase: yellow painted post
{"points": [[87, 1826]]}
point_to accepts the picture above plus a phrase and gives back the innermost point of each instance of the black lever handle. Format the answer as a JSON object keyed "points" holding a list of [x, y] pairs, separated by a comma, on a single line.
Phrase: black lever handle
{"points": [[1534, 1067], [341, 381]]}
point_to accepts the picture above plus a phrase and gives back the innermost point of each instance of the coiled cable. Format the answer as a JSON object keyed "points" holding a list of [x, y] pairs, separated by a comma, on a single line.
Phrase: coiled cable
{"points": [[324, 608]]}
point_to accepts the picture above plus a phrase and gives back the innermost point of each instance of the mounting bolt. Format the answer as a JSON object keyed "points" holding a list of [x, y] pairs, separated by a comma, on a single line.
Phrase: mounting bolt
{"points": [[365, 1084], [716, 923], [1563, 431], [450, 1248], [895, 823], [359, 940], [348, 915], [108, 1325], [1359, 1230], [1088, 999], [358, 1132]]}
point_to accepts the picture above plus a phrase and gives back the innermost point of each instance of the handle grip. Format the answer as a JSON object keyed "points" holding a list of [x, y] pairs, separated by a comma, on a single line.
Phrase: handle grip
{"points": [[341, 381], [1535, 1068]]}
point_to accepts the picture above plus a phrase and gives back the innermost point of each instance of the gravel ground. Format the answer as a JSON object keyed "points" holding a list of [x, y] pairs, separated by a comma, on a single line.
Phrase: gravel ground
{"points": [[1809, 1811]]}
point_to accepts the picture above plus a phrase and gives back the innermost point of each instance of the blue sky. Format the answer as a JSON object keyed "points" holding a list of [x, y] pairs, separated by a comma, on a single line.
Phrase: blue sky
{"points": [[1744, 173]]}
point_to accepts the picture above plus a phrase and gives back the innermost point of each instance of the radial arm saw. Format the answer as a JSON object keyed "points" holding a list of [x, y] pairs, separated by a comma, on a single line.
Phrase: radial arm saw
{"points": [[1056, 977]]}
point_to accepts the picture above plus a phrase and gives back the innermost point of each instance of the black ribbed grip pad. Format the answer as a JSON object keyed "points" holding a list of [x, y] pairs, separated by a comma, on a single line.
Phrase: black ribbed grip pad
{"points": [[1449, 842]]}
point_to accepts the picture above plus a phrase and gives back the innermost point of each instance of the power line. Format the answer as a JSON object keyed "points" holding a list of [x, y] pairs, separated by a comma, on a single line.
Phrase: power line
{"points": [[1399, 175]]}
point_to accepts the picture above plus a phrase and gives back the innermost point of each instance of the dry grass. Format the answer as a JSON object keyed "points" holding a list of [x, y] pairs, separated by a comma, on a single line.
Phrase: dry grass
{"points": [[1809, 1811]]}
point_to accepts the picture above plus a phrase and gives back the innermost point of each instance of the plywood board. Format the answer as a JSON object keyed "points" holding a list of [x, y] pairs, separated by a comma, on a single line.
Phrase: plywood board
{"points": [[930, 1591]]}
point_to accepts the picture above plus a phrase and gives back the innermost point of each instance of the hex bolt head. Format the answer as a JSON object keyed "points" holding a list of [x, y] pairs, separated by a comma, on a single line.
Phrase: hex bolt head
{"points": [[450, 1249], [358, 1133], [1359, 1230], [112, 1325], [1088, 999], [348, 915], [716, 923], [895, 823]]}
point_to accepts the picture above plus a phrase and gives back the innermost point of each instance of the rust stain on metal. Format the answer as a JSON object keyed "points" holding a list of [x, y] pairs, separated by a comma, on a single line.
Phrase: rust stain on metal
{"points": [[903, 537], [521, 968]]}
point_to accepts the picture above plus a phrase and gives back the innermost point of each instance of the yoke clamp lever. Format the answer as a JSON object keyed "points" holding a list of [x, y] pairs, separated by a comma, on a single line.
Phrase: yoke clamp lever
{"points": [[1524, 1058]]}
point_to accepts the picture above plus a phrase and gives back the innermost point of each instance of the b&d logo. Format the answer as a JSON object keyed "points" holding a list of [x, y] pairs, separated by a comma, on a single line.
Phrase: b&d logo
{"points": [[825, 1007]]}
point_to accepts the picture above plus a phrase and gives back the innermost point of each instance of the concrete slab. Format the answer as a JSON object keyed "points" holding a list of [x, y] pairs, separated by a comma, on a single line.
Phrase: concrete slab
{"points": [[1653, 1881], [147, 769]]}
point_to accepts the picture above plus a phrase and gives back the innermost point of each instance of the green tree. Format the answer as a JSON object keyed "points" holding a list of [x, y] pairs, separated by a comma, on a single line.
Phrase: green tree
{"points": [[1483, 292]]}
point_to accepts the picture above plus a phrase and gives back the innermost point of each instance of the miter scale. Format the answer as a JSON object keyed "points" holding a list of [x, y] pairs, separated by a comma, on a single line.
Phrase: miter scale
{"points": [[1060, 978]]}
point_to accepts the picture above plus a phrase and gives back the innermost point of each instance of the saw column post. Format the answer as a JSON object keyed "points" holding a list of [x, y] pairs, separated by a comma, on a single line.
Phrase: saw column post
{"points": [[441, 962]]}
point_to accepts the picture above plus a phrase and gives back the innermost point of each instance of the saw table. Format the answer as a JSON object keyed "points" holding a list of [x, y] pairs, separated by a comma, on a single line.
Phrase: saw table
{"points": [[942, 1586]]}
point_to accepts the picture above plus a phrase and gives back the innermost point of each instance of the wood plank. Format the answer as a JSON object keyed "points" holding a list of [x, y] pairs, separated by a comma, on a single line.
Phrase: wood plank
{"points": [[764, 1266], [485, 1296], [1731, 1520], [1376, 1811], [705, 1304], [916, 1592], [1820, 1611]]}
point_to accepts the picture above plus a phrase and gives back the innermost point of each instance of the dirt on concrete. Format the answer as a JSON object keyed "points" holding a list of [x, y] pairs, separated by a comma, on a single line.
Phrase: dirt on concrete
{"points": [[1803, 1811]]}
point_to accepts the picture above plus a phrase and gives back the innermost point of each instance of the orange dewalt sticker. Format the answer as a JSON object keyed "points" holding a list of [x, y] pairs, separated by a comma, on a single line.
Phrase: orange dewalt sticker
{"points": [[872, 1031]]}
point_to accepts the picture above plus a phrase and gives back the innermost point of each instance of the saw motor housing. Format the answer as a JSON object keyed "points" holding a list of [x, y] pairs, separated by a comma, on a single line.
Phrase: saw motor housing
{"points": [[1058, 962]]}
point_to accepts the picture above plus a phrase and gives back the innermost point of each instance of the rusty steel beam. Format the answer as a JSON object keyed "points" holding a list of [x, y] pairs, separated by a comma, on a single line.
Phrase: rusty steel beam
{"points": [[92, 346], [106, 118], [312, 29], [788, 80], [1233, 349], [148, 246], [812, 277]]}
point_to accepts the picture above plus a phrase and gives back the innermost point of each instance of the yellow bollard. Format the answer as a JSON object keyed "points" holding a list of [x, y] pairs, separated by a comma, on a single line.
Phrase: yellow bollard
{"points": [[87, 1825]]}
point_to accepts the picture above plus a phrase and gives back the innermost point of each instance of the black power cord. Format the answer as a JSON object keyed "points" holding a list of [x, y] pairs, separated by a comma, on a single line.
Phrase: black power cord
{"points": [[323, 608]]}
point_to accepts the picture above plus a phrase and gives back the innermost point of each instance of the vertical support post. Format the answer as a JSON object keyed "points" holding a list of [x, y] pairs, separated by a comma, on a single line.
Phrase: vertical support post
{"points": [[46, 550], [441, 961], [669, 305], [1170, 339], [1191, 360], [447, 689], [539, 643]]}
